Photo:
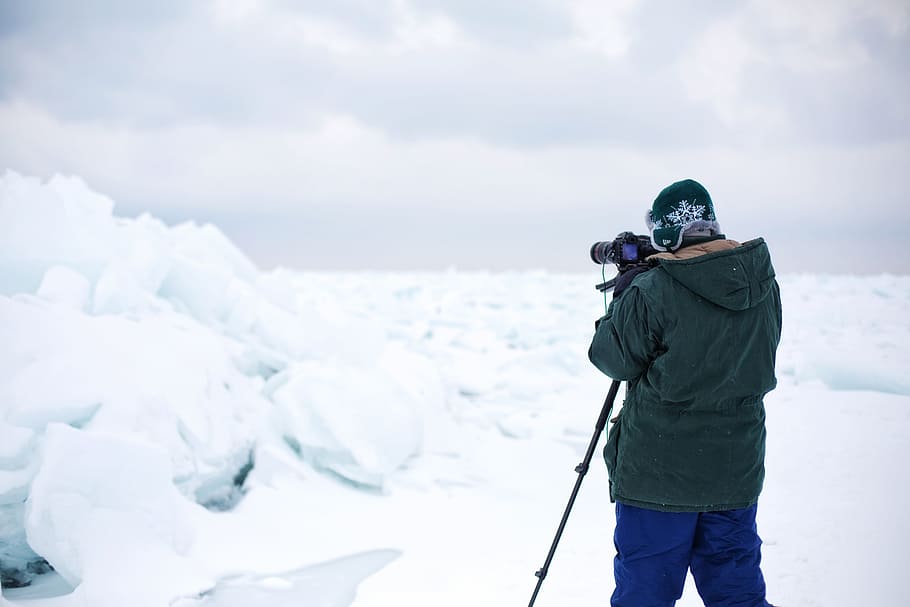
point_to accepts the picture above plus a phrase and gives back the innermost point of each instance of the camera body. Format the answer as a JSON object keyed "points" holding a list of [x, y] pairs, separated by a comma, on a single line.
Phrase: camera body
{"points": [[624, 251]]}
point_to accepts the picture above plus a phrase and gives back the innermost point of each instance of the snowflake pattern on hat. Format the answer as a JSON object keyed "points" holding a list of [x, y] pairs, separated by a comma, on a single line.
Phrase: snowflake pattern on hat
{"points": [[683, 213]]}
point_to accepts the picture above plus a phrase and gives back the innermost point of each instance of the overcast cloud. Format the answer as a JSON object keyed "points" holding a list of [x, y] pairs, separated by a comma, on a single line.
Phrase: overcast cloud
{"points": [[421, 134]]}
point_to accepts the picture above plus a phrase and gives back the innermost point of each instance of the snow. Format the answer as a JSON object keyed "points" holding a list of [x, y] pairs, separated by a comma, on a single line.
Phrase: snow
{"points": [[179, 428]]}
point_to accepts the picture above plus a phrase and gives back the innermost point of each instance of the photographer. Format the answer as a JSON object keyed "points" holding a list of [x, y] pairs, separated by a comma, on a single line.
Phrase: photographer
{"points": [[695, 337]]}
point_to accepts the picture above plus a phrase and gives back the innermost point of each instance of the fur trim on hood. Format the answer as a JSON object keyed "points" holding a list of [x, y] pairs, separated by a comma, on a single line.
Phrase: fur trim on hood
{"points": [[697, 250]]}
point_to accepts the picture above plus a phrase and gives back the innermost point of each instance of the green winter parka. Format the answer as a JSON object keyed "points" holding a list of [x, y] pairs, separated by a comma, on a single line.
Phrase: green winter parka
{"points": [[696, 339]]}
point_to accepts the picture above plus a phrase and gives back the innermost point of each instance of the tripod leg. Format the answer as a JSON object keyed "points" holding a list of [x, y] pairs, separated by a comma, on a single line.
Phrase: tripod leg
{"points": [[581, 469]]}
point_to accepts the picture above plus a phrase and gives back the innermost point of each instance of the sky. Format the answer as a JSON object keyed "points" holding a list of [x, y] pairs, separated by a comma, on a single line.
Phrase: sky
{"points": [[439, 134]]}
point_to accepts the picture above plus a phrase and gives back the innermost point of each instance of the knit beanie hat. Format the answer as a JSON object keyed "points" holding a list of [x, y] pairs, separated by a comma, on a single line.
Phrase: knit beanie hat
{"points": [[680, 208]]}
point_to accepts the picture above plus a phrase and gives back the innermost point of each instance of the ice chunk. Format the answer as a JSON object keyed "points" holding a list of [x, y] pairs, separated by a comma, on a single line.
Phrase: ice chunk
{"points": [[163, 377], [257, 320], [64, 223], [41, 356], [223, 489], [208, 277], [844, 371], [45, 585], [61, 222], [211, 248], [47, 404], [330, 584], [15, 446], [354, 421], [18, 465], [118, 291], [65, 286], [90, 495], [131, 280], [18, 562], [14, 484], [201, 290]]}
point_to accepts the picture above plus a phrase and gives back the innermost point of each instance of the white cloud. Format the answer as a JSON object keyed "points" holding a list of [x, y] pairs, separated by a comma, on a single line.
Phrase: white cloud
{"points": [[227, 12], [425, 68], [405, 108], [713, 70], [824, 22], [414, 32], [805, 72], [603, 27]]}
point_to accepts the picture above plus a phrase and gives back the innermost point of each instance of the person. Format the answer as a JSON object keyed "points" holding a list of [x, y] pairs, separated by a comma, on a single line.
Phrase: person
{"points": [[695, 337]]}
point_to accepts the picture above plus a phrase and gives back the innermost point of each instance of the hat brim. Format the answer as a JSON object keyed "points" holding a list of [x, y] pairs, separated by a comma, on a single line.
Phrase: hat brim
{"points": [[671, 237]]}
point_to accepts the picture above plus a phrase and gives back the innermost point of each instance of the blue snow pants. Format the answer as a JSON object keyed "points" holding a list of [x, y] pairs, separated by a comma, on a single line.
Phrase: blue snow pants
{"points": [[654, 550]]}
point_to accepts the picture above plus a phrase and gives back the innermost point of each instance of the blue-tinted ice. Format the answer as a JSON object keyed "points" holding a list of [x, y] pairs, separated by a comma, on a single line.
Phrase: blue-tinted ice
{"points": [[330, 584]]}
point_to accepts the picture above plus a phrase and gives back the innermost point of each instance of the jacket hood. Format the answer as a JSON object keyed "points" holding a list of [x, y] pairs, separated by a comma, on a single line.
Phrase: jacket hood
{"points": [[731, 275]]}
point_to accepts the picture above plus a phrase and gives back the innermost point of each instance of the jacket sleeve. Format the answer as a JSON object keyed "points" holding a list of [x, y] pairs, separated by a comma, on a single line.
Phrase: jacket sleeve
{"points": [[624, 344]]}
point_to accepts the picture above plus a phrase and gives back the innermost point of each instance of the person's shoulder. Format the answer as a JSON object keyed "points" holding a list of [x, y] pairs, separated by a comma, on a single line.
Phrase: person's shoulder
{"points": [[649, 285]]}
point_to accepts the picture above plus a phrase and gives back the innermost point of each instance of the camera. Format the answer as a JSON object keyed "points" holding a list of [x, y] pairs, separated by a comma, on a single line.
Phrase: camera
{"points": [[625, 251]]}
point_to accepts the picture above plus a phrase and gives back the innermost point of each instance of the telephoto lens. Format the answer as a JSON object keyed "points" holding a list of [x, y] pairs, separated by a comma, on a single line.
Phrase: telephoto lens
{"points": [[601, 252]]}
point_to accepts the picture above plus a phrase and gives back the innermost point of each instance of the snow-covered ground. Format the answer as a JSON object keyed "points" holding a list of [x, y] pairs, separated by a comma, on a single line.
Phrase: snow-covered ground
{"points": [[178, 428]]}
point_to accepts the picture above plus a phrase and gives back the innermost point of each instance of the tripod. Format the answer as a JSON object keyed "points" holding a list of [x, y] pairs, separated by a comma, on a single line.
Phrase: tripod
{"points": [[581, 469]]}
